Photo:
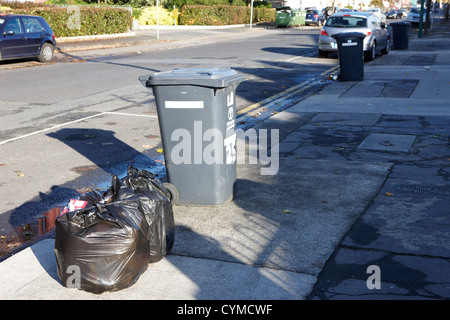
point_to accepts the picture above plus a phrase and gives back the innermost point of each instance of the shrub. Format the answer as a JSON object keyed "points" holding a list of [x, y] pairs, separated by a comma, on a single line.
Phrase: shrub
{"points": [[212, 15], [147, 16], [66, 22], [169, 4], [223, 15], [4, 9], [263, 14]]}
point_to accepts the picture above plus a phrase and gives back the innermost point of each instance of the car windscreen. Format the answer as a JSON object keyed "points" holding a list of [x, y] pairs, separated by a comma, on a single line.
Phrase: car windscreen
{"points": [[347, 22], [1, 21], [415, 10]]}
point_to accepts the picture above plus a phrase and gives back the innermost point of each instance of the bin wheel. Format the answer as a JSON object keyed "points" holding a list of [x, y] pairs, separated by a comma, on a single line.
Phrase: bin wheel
{"points": [[172, 191], [341, 77]]}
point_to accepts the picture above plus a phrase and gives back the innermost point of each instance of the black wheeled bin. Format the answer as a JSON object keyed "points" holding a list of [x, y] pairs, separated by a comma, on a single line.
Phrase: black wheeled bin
{"points": [[400, 32], [197, 119], [351, 55]]}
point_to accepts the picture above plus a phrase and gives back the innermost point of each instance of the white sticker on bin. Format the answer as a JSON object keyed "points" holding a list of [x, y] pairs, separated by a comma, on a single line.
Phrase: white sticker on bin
{"points": [[349, 44], [183, 104]]}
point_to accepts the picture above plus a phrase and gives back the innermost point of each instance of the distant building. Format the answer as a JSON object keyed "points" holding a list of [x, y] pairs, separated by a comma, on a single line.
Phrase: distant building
{"points": [[355, 4]]}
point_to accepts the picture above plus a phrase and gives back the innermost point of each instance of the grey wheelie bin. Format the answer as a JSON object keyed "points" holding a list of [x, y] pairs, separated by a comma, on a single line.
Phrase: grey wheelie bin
{"points": [[197, 119], [400, 32], [351, 55]]}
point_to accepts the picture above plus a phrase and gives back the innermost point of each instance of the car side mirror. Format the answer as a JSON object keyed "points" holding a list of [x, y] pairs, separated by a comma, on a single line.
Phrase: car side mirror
{"points": [[9, 33]]}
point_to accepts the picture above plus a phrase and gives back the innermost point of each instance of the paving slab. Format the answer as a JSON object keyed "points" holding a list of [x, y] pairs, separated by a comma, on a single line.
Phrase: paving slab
{"points": [[388, 142], [402, 277], [407, 217], [346, 119]]}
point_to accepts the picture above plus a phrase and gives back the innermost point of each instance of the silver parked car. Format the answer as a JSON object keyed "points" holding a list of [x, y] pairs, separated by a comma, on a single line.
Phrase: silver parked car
{"points": [[377, 36], [413, 16]]}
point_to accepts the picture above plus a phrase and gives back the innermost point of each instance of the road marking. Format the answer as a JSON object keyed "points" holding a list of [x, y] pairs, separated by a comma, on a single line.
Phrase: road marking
{"points": [[131, 114], [289, 92], [75, 121], [307, 54], [51, 128]]}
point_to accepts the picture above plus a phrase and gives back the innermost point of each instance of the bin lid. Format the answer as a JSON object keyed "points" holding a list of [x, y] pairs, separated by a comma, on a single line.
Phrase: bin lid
{"points": [[400, 23], [348, 35], [220, 77]]}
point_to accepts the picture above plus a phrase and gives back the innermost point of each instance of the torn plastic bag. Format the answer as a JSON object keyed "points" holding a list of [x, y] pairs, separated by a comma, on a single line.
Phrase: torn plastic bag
{"points": [[105, 239], [103, 247], [156, 205]]}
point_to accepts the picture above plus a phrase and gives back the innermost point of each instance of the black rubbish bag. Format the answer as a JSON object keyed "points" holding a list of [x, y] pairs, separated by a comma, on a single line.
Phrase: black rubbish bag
{"points": [[109, 243], [156, 205]]}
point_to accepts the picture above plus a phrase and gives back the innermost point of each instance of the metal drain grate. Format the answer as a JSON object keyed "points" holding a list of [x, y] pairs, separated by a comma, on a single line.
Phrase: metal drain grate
{"points": [[424, 190]]}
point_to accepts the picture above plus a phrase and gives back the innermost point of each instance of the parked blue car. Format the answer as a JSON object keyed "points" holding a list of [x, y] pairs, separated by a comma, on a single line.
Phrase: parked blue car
{"points": [[23, 36], [314, 16]]}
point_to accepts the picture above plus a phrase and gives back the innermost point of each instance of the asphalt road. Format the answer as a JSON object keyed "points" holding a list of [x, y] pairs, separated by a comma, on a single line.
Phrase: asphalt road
{"points": [[273, 60]]}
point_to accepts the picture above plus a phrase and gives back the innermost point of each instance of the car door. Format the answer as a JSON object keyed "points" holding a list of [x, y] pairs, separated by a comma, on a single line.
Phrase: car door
{"points": [[382, 34], [34, 33], [14, 42], [378, 32]]}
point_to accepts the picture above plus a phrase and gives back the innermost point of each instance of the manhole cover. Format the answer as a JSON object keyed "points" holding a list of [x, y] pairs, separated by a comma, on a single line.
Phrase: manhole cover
{"points": [[423, 190]]}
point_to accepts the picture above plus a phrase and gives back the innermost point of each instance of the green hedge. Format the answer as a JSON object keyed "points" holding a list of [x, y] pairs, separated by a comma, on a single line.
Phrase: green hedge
{"points": [[69, 22], [223, 15]]}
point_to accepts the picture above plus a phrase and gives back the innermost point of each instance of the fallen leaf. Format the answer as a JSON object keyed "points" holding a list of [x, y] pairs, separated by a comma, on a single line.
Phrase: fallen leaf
{"points": [[159, 150], [318, 264], [146, 146], [324, 201], [287, 211], [389, 194], [21, 174]]}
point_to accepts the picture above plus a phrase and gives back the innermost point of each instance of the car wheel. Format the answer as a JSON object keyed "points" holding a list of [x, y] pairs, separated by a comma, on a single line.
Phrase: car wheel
{"points": [[46, 54], [369, 55], [323, 54], [388, 47]]}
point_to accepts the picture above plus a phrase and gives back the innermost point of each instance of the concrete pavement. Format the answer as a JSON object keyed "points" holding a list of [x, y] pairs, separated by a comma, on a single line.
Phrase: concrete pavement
{"points": [[357, 210]]}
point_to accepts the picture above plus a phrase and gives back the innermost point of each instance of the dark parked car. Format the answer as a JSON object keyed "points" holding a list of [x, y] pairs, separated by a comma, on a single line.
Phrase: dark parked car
{"points": [[393, 14], [314, 16], [24, 36]]}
